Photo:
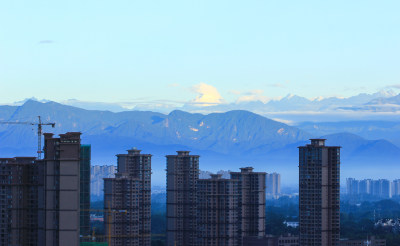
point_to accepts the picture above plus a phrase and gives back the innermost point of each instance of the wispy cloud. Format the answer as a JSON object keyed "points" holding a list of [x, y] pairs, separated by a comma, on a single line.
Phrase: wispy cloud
{"points": [[252, 95], [46, 41], [277, 85]]}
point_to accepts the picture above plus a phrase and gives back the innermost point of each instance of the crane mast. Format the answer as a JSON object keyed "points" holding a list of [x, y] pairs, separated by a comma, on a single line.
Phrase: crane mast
{"points": [[39, 125]]}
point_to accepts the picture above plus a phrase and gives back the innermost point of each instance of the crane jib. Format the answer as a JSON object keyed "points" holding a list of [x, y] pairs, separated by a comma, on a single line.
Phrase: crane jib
{"points": [[39, 124]]}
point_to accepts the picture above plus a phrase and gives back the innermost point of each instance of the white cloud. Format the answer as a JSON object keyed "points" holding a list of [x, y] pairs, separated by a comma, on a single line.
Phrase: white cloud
{"points": [[287, 122], [47, 41], [253, 95], [208, 95]]}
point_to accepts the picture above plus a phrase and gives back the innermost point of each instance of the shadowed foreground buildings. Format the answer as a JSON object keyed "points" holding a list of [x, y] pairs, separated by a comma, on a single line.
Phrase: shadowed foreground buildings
{"points": [[291, 240], [182, 177], [269, 240], [61, 189], [213, 211], [85, 157], [19, 201], [218, 213], [319, 194], [231, 209], [41, 200], [251, 202], [128, 198]]}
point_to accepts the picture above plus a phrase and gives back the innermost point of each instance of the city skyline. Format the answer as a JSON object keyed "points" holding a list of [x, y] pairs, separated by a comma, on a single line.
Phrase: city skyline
{"points": [[201, 122], [218, 202]]}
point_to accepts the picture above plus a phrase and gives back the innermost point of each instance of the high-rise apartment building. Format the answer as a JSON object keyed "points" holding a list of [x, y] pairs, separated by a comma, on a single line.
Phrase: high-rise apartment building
{"points": [[251, 202], [40, 199], [396, 187], [381, 188], [97, 175], [19, 201], [365, 186], [319, 188], [61, 190], [273, 183], [352, 186], [218, 213], [182, 178], [85, 157], [128, 198], [231, 209]]}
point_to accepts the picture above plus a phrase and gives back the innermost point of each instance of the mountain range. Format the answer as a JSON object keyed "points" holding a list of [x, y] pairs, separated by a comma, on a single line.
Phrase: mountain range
{"points": [[226, 140], [381, 101]]}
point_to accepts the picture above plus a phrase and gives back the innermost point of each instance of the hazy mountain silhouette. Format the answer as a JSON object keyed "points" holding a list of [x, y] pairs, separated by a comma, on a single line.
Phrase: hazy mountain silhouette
{"points": [[224, 140]]}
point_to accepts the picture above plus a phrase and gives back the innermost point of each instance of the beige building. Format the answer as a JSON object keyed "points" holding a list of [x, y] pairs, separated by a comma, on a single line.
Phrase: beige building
{"points": [[61, 190], [40, 199], [128, 198]]}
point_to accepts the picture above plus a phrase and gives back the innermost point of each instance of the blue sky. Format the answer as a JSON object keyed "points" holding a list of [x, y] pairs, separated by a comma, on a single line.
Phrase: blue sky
{"points": [[123, 51]]}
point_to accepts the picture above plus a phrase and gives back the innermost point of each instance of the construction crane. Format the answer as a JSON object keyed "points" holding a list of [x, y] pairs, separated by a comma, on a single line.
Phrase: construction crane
{"points": [[39, 125]]}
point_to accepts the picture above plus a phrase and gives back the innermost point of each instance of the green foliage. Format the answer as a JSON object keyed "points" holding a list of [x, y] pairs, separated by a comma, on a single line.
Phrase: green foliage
{"points": [[357, 221]]}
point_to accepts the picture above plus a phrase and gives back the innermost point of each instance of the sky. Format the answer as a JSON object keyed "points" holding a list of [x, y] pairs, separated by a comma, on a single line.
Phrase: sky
{"points": [[196, 51]]}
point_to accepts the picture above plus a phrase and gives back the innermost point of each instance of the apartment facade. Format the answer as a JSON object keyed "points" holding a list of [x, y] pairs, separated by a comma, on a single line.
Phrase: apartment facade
{"points": [[61, 182], [85, 157], [19, 201], [217, 211], [40, 199], [319, 194], [252, 202], [127, 201], [182, 178]]}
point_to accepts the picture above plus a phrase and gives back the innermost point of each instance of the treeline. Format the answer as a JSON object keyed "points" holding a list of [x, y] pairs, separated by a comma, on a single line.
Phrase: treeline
{"points": [[357, 219]]}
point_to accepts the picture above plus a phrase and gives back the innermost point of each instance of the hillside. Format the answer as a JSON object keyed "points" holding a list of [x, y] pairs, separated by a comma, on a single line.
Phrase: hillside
{"points": [[224, 140]]}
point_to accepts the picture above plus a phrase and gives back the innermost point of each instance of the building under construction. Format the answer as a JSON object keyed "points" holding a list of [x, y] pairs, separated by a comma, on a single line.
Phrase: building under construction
{"points": [[40, 198]]}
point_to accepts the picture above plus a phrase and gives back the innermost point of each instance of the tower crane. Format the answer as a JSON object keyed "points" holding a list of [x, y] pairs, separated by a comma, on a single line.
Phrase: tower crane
{"points": [[39, 125]]}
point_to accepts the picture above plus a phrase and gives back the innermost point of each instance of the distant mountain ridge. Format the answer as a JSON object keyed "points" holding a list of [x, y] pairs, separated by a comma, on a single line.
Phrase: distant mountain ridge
{"points": [[233, 131], [224, 140], [290, 102]]}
